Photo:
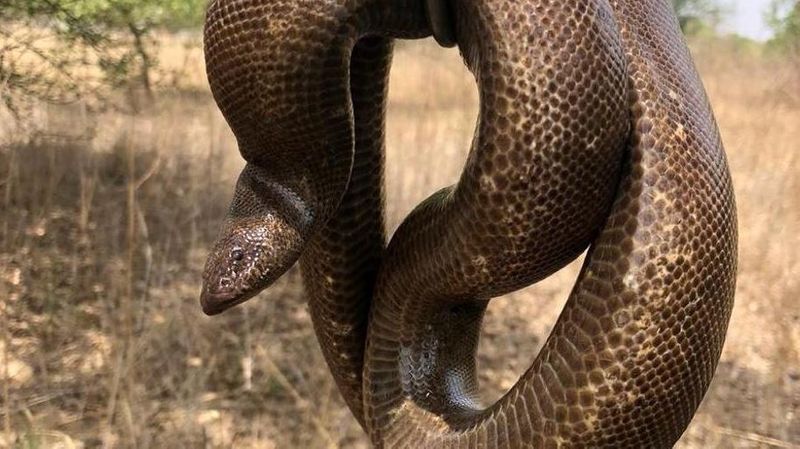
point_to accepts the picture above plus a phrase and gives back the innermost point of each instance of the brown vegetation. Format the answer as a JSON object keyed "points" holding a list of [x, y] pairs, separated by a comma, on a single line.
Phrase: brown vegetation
{"points": [[105, 219]]}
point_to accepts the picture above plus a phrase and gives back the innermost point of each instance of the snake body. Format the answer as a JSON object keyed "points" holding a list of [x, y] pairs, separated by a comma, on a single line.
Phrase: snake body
{"points": [[594, 131]]}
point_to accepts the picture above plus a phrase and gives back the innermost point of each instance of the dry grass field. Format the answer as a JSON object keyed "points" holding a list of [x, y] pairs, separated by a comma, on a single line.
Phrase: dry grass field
{"points": [[105, 219]]}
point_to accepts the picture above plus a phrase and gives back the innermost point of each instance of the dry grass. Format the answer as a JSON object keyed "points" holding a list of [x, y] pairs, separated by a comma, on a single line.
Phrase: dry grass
{"points": [[105, 220]]}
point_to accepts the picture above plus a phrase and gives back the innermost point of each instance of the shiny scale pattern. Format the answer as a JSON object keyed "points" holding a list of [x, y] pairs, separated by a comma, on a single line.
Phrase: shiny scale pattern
{"points": [[594, 131]]}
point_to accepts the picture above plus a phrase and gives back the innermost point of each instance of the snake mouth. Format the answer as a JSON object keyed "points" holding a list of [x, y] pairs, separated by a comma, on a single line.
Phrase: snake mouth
{"points": [[214, 303]]}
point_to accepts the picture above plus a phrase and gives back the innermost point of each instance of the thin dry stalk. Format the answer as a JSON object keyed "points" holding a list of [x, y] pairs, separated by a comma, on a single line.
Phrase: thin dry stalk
{"points": [[754, 437], [6, 374], [127, 306], [4, 321]]}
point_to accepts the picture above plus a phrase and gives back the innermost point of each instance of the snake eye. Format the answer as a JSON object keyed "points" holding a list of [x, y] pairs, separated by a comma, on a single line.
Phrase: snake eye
{"points": [[237, 254]]}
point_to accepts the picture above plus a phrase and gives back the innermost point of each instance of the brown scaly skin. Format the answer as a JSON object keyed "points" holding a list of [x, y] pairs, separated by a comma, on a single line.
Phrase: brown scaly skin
{"points": [[594, 129]]}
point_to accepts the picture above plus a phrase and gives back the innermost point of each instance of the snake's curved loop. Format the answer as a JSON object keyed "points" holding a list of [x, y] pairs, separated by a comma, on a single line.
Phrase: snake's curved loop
{"points": [[442, 20], [594, 130]]}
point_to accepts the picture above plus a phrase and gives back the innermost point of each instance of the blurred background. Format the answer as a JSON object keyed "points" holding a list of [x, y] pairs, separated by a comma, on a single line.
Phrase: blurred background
{"points": [[116, 170]]}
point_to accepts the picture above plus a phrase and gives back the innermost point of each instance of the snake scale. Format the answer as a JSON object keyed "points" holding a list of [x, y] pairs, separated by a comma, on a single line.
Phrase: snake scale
{"points": [[594, 131]]}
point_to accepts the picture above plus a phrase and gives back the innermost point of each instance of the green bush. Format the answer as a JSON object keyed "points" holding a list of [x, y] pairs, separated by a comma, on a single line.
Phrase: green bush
{"points": [[697, 16], [114, 36], [784, 17]]}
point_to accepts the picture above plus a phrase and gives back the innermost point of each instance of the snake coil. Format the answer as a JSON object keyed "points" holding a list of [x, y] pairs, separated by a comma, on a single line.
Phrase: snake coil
{"points": [[594, 131]]}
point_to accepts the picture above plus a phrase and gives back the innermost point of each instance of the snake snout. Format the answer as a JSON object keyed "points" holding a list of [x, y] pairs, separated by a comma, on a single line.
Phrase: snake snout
{"points": [[214, 303], [249, 256]]}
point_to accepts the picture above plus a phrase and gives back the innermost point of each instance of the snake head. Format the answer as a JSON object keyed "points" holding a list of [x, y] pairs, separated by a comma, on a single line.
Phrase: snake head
{"points": [[261, 239], [248, 257]]}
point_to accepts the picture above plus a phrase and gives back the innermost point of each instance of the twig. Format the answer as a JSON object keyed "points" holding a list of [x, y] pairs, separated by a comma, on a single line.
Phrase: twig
{"points": [[6, 375], [147, 249], [39, 400], [149, 173], [4, 325], [754, 437], [127, 307], [114, 390]]}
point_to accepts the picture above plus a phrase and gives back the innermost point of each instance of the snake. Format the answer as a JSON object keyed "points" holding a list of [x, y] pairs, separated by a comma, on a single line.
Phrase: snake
{"points": [[594, 135]]}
